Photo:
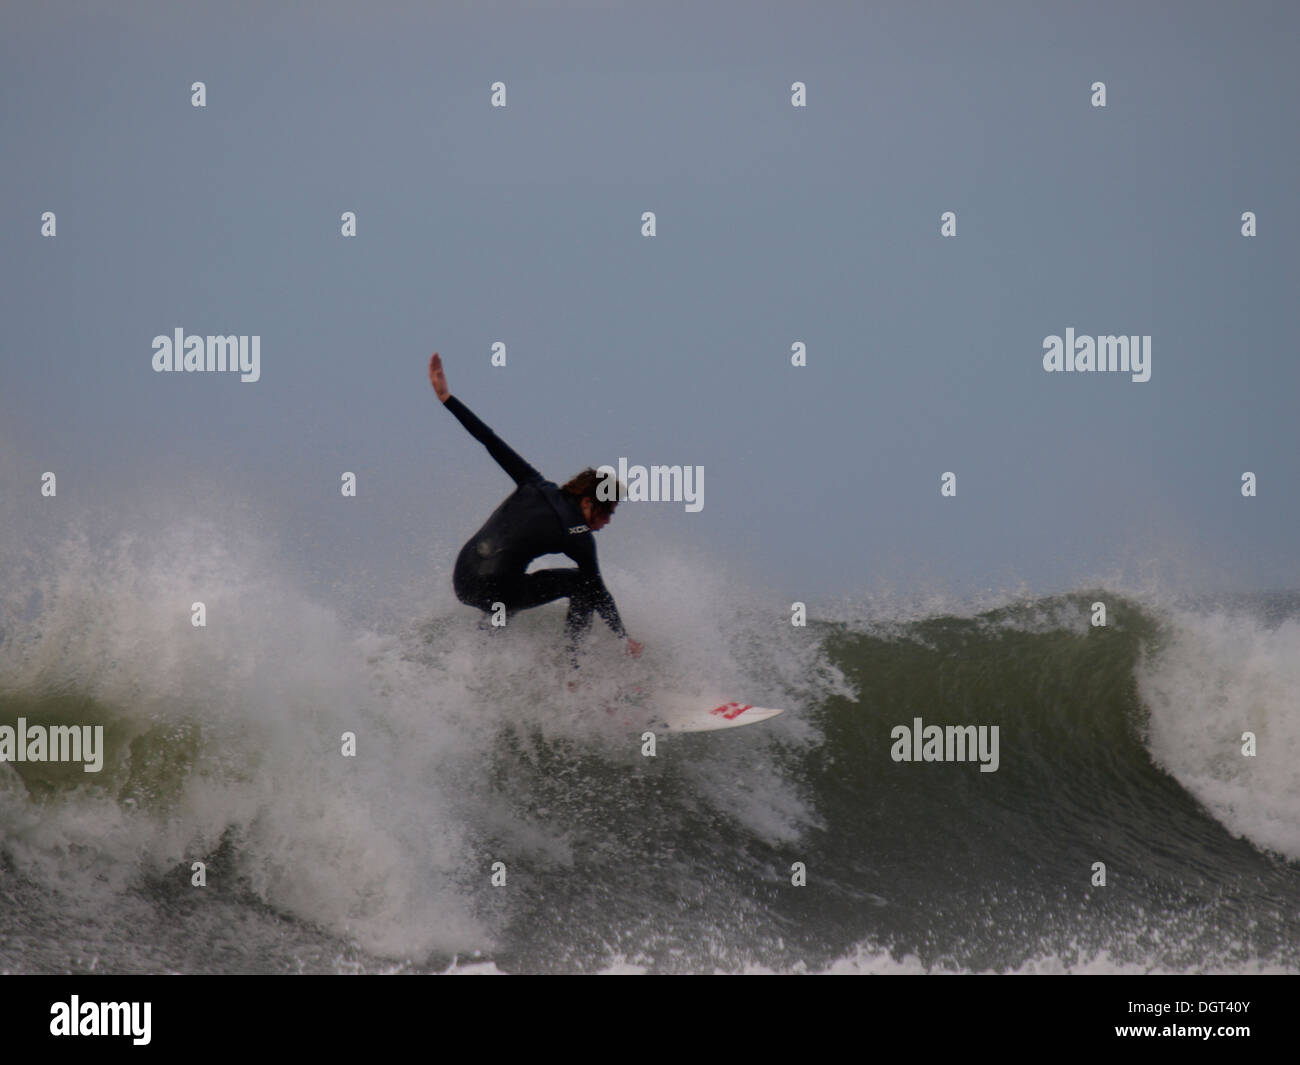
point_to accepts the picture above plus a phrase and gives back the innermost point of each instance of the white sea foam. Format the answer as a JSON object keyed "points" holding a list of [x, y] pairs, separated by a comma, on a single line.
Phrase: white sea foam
{"points": [[233, 732], [1222, 673], [228, 736]]}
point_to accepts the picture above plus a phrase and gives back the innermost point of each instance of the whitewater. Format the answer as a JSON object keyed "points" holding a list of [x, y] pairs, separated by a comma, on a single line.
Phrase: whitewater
{"points": [[223, 747]]}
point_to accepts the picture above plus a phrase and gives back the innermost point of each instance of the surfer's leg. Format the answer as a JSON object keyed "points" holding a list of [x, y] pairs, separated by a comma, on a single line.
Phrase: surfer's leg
{"points": [[473, 592], [479, 593], [547, 585], [471, 587], [544, 586], [535, 589]]}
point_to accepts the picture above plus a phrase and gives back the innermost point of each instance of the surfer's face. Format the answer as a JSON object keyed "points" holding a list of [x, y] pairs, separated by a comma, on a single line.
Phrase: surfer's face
{"points": [[596, 519]]}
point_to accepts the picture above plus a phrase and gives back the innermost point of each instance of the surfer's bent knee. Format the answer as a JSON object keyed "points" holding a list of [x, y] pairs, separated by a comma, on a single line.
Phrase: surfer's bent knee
{"points": [[472, 591]]}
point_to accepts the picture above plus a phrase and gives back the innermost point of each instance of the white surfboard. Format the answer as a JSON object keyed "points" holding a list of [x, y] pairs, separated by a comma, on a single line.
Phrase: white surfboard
{"points": [[675, 712]]}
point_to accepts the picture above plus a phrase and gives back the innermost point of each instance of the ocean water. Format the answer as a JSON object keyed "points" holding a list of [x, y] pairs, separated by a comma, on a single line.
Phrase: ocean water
{"points": [[1119, 744]]}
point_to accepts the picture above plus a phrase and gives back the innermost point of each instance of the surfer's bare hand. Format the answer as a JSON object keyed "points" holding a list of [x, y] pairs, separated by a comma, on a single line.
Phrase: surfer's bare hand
{"points": [[438, 379], [634, 647]]}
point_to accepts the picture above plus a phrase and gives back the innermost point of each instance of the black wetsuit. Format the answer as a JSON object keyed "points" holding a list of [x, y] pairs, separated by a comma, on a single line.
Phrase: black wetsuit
{"points": [[538, 518]]}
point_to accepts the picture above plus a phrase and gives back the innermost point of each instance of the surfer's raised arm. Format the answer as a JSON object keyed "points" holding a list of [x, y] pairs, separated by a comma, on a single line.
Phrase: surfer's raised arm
{"points": [[520, 471]]}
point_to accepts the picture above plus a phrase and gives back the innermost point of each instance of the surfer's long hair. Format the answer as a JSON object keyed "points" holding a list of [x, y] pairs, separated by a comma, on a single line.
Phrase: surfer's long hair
{"points": [[584, 485]]}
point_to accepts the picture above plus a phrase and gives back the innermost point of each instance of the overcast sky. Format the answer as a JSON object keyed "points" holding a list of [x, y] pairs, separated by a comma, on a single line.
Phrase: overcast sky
{"points": [[775, 225]]}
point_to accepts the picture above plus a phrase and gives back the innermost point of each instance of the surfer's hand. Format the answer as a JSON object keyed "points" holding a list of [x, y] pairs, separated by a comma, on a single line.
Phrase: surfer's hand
{"points": [[438, 379], [634, 648]]}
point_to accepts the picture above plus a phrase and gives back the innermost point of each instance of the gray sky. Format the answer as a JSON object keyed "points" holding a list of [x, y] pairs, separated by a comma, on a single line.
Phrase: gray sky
{"points": [[775, 225]]}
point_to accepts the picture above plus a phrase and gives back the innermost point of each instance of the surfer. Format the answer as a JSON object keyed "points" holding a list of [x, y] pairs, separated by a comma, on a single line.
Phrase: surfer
{"points": [[537, 518]]}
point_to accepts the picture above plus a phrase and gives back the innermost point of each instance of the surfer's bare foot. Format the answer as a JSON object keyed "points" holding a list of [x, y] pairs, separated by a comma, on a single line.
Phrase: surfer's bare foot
{"points": [[634, 648], [438, 379]]}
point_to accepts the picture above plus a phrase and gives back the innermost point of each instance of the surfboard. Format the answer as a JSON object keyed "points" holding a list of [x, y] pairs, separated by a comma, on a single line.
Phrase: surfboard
{"points": [[679, 712]]}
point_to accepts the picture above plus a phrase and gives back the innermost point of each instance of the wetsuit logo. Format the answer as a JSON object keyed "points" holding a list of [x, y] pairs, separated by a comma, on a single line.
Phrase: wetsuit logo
{"points": [[575, 529]]}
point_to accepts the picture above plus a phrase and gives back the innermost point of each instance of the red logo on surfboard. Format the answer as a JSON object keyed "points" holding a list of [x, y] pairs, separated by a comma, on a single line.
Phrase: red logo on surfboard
{"points": [[731, 711]]}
